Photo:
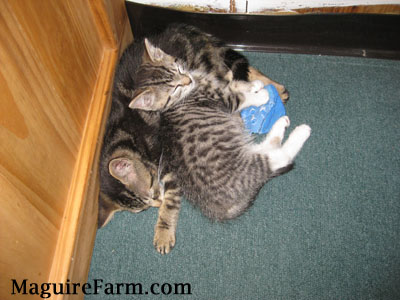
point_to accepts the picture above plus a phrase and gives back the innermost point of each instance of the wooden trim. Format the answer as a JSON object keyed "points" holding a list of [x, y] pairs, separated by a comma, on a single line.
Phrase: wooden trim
{"points": [[363, 35], [78, 228], [87, 227], [126, 37], [63, 257], [103, 23]]}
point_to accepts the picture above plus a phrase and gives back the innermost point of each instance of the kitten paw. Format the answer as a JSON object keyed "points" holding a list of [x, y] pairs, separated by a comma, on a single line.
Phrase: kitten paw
{"points": [[164, 240], [296, 139], [284, 94], [155, 203], [256, 86], [302, 132], [283, 122], [282, 91]]}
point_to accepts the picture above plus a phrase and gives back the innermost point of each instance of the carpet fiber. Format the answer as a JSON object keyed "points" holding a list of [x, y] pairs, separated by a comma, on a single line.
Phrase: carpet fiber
{"points": [[329, 229]]}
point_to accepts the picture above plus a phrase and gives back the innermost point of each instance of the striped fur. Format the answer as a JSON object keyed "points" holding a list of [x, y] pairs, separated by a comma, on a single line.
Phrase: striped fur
{"points": [[182, 136]]}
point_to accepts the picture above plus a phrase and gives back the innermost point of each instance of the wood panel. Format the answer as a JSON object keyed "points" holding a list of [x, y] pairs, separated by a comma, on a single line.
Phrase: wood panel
{"points": [[75, 245], [57, 60]]}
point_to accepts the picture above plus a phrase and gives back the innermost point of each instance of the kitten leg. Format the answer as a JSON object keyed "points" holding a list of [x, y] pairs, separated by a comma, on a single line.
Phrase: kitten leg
{"points": [[168, 213], [296, 140], [274, 138], [284, 156], [254, 74]]}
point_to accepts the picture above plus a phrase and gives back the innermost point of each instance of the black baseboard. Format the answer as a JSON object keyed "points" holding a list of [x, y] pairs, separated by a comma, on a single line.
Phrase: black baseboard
{"points": [[363, 35]]}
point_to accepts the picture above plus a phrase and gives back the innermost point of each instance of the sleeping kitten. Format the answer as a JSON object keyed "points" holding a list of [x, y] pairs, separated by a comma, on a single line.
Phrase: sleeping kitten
{"points": [[207, 156], [134, 134], [164, 80], [131, 153], [199, 53]]}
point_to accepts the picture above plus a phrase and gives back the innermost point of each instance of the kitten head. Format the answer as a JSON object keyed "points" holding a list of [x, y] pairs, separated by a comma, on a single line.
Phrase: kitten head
{"points": [[162, 80], [129, 186]]}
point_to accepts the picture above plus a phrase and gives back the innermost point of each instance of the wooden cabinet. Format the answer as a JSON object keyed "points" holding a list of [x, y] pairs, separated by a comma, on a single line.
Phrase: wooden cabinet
{"points": [[57, 60]]}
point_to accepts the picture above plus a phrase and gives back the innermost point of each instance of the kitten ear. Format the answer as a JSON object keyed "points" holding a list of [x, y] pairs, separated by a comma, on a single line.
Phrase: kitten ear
{"points": [[142, 100], [154, 53], [123, 170], [106, 210], [133, 173]]}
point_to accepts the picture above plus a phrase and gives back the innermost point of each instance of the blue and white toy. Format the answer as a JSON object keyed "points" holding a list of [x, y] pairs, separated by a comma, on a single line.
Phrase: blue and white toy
{"points": [[259, 119]]}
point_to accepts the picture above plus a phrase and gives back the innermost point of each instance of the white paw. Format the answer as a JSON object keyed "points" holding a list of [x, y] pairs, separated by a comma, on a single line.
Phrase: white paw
{"points": [[296, 140], [262, 96], [283, 121], [257, 95], [302, 133], [256, 86]]}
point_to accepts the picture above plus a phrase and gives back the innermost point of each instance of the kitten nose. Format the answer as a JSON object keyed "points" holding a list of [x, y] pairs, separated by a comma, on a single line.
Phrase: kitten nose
{"points": [[186, 80]]}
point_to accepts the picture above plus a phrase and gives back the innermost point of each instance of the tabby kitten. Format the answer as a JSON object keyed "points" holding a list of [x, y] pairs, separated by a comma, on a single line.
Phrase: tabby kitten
{"points": [[199, 54], [165, 80], [131, 139], [154, 81], [207, 156]]}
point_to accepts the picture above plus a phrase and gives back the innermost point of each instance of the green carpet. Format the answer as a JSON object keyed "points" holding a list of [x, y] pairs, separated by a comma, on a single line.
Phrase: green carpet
{"points": [[329, 229]]}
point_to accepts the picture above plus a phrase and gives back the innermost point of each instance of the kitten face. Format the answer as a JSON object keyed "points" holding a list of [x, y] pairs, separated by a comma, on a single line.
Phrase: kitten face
{"points": [[162, 81]]}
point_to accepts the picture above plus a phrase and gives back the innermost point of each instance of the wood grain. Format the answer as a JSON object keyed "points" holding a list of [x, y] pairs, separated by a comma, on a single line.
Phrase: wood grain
{"points": [[75, 244], [57, 60]]}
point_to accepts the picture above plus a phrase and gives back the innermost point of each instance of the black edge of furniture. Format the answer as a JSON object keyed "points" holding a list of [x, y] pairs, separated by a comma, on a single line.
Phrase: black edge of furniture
{"points": [[363, 35]]}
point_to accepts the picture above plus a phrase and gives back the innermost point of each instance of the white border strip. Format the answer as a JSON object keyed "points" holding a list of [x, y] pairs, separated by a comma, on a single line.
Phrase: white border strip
{"points": [[216, 4], [259, 5]]}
